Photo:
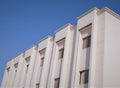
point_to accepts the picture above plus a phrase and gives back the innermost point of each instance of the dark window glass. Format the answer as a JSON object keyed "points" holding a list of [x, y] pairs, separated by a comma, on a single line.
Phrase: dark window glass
{"points": [[42, 61], [61, 53], [84, 75], [56, 85], [37, 85]]}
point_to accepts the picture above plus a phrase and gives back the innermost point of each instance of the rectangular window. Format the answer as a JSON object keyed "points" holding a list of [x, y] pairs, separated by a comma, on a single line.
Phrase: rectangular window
{"points": [[42, 61], [86, 42], [37, 85], [56, 85], [42, 55], [61, 53], [84, 75]]}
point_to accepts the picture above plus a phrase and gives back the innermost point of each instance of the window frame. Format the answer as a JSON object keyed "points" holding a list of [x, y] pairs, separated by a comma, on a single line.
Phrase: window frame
{"points": [[42, 61], [8, 69], [81, 77], [57, 79], [61, 53], [37, 85], [86, 42]]}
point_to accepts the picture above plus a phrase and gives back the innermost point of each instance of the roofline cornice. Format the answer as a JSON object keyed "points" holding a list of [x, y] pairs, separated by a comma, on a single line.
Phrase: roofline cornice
{"points": [[87, 12], [100, 11], [45, 38], [15, 56], [63, 27], [106, 9], [30, 47]]}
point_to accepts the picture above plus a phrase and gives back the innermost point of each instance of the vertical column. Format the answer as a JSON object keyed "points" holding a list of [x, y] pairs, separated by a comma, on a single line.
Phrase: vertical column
{"points": [[30, 70], [27, 63], [93, 53], [45, 70], [36, 71], [11, 74], [63, 75], [5, 77], [52, 67], [23, 74], [74, 62], [15, 73], [19, 72]]}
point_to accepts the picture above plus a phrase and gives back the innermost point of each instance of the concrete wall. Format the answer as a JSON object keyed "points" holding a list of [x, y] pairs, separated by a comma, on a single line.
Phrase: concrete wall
{"points": [[111, 72], [60, 68], [11, 79], [41, 73], [27, 73], [89, 19], [100, 51]]}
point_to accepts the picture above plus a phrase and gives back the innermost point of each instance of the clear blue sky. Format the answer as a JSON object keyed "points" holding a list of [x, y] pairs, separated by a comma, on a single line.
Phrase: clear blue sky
{"points": [[25, 22]]}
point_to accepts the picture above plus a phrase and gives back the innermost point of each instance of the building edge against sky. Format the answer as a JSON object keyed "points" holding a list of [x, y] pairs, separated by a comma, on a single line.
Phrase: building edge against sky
{"points": [[85, 55]]}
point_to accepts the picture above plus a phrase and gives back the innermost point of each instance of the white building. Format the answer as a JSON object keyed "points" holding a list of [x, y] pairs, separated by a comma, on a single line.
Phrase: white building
{"points": [[85, 55]]}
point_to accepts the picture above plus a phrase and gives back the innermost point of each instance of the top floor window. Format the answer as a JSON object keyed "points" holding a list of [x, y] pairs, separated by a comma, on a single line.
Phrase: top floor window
{"points": [[27, 59], [16, 65], [8, 69], [61, 53], [86, 42], [60, 44], [42, 55]]}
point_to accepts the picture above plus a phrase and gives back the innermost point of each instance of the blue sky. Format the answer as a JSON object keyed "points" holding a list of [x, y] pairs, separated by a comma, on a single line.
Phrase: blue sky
{"points": [[25, 22]]}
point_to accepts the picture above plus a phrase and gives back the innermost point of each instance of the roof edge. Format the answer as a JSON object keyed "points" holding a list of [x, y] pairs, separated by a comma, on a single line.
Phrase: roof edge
{"points": [[30, 47], [109, 11], [15, 56], [45, 38], [95, 8], [68, 24]]}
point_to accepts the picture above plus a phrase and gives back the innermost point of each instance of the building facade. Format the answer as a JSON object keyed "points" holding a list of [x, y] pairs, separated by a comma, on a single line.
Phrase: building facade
{"points": [[85, 55]]}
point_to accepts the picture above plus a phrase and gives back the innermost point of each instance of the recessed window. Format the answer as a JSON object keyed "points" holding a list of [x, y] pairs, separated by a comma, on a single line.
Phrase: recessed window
{"points": [[8, 69], [27, 59], [16, 65], [61, 42], [42, 61], [84, 75], [37, 85], [42, 55], [86, 42], [61, 53], [56, 85]]}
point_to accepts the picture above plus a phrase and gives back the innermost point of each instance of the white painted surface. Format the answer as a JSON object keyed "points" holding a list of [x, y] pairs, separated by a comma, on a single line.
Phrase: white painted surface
{"points": [[102, 58]]}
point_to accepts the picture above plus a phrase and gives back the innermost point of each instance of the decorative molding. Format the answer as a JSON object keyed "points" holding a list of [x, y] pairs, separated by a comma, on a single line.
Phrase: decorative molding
{"points": [[73, 27], [85, 27], [100, 11], [106, 9], [15, 56], [61, 28], [87, 12], [45, 38], [33, 46]]}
